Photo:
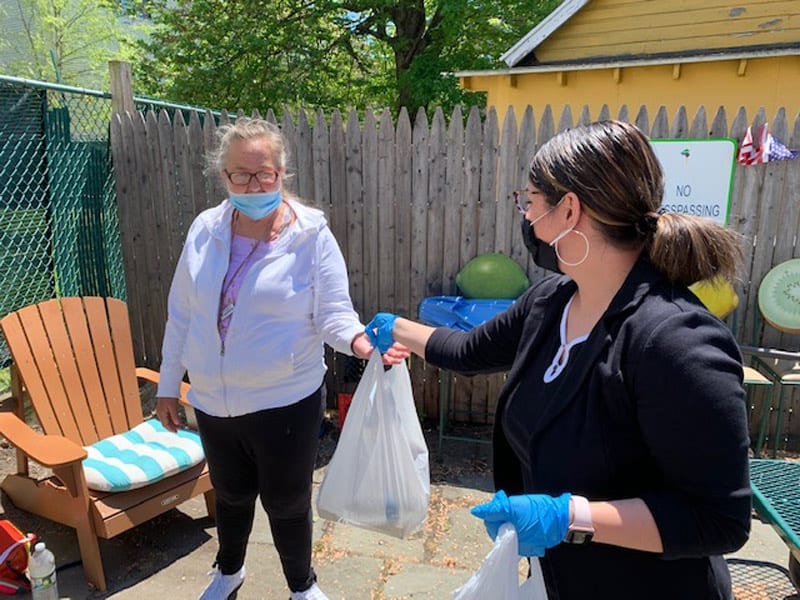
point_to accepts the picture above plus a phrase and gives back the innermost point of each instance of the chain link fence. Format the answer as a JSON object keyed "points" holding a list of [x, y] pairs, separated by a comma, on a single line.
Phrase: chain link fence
{"points": [[59, 234], [59, 231]]}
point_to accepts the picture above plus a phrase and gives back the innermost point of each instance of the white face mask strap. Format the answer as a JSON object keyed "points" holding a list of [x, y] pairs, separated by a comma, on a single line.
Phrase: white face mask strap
{"points": [[560, 237]]}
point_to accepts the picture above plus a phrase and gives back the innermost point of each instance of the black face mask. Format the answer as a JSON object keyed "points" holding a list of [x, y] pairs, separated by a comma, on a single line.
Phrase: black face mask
{"points": [[543, 254]]}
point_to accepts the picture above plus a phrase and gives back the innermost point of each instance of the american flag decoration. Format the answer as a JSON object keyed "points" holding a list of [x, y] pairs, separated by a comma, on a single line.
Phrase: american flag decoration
{"points": [[751, 153], [765, 150], [778, 151]]}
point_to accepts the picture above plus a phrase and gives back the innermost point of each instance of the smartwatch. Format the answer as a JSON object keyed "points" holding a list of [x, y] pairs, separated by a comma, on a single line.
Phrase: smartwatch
{"points": [[581, 529]]}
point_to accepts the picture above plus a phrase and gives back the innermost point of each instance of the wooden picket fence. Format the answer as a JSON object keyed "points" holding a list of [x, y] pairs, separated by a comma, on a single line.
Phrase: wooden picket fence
{"points": [[411, 202]]}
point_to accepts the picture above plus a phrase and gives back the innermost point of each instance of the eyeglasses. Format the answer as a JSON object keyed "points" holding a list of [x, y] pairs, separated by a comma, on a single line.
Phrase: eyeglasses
{"points": [[522, 200], [267, 177]]}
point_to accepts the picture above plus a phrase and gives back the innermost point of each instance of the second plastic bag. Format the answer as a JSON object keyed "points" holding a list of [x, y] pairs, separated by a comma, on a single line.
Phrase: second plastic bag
{"points": [[378, 477], [498, 576]]}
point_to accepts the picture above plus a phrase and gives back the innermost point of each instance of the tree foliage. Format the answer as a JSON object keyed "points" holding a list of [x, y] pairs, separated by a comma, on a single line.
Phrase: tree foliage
{"points": [[231, 54], [328, 53], [69, 41], [432, 39]]}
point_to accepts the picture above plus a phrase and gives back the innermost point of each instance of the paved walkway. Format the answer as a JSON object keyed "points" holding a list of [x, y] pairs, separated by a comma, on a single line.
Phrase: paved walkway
{"points": [[168, 557]]}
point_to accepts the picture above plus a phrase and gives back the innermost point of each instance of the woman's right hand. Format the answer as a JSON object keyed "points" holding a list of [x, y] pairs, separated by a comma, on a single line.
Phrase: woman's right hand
{"points": [[541, 520], [167, 413], [362, 348]]}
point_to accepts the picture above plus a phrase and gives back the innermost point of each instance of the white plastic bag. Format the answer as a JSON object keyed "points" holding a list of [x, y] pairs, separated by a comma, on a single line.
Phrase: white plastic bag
{"points": [[378, 477], [498, 575]]}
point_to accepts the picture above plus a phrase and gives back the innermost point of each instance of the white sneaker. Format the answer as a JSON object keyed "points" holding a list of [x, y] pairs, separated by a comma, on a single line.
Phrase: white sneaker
{"points": [[312, 593], [223, 587]]}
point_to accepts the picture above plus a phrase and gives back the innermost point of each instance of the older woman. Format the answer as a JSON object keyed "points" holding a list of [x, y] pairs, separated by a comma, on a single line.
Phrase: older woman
{"points": [[621, 440], [260, 285]]}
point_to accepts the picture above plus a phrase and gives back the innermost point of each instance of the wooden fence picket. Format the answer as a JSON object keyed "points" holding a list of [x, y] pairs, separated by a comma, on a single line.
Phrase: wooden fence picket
{"points": [[384, 238], [452, 208], [355, 229], [434, 256], [470, 199], [508, 176], [402, 209], [304, 160], [338, 180], [525, 150], [370, 275], [487, 216]]}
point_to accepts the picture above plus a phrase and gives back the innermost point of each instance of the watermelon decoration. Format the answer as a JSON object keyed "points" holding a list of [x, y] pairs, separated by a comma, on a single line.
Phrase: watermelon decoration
{"points": [[490, 276]]}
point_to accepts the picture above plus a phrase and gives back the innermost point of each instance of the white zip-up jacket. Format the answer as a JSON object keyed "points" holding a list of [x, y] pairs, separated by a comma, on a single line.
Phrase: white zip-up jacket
{"points": [[289, 303]]}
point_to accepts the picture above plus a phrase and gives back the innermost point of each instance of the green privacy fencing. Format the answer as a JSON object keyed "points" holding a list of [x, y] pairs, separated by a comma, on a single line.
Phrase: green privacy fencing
{"points": [[59, 232]]}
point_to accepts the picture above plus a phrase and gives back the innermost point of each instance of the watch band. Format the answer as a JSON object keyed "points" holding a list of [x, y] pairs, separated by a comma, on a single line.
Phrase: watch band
{"points": [[581, 529]]}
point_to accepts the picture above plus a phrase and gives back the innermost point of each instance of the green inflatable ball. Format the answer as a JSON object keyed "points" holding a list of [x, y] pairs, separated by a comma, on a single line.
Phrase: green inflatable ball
{"points": [[490, 276]]}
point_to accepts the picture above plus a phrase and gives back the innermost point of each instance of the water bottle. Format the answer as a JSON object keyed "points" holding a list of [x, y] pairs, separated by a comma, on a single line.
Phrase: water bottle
{"points": [[42, 569], [392, 512]]}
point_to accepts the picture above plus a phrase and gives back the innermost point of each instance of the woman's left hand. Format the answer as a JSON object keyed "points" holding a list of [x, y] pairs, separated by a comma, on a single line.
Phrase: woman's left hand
{"points": [[362, 348]]}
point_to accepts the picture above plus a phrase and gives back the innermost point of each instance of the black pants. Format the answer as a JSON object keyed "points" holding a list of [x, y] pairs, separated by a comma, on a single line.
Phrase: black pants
{"points": [[271, 454]]}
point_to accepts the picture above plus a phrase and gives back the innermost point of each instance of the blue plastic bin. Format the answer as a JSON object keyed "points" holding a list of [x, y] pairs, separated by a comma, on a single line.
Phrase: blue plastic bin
{"points": [[459, 312]]}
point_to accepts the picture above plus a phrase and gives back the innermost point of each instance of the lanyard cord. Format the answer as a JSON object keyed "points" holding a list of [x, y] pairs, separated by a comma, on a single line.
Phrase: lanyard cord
{"points": [[227, 309], [226, 288]]}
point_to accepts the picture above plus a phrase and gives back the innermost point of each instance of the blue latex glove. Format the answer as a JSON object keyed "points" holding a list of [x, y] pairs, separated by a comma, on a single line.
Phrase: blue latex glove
{"points": [[541, 521], [379, 331]]}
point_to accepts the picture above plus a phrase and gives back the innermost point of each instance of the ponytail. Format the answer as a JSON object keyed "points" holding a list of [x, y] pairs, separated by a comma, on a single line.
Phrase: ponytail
{"points": [[686, 249]]}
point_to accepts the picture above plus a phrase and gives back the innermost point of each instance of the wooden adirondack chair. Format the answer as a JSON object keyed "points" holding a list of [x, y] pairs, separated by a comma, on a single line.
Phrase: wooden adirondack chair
{"points": [[73, 358]]}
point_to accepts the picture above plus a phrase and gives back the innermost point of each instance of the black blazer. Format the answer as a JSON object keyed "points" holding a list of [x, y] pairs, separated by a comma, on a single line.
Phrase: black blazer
{"points": [[654, 409]]}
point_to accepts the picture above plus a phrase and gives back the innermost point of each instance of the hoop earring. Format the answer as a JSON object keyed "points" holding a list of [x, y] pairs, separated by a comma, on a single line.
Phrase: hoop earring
{"points": [[585, 254]]}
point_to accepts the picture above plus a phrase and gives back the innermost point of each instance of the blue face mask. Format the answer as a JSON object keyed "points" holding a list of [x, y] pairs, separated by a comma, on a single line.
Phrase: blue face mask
{"points": [[256, 206]]}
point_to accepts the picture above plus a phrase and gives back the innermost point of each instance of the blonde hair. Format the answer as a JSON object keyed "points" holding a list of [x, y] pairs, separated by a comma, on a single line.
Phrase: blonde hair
{"points": [[611, 167], [246, 128]]}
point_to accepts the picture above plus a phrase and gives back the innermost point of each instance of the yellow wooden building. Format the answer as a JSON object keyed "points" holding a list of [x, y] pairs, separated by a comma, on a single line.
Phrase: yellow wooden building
{"points": [[673, 53]]}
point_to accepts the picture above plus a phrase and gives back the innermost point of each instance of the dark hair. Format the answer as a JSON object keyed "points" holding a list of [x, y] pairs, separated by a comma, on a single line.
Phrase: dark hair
{"points": [[611, 167]]}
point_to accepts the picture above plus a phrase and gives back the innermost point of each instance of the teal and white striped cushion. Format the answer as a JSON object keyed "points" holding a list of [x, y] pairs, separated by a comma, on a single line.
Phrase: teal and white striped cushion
{"points": [[141, 456]]}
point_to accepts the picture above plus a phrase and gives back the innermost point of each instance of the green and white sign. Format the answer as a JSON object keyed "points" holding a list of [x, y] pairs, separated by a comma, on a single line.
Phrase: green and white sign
{"points": [[698, 176]]}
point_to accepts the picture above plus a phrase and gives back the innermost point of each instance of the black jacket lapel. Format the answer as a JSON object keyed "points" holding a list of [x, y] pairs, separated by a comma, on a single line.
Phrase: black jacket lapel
{"points": [[629, 296]]}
